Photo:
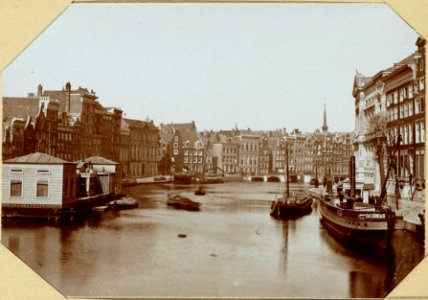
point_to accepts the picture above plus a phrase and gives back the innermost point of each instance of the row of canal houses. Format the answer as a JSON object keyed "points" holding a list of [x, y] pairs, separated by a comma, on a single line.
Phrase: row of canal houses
{"points": [[249, 152], [69, 127], [71, 124]]}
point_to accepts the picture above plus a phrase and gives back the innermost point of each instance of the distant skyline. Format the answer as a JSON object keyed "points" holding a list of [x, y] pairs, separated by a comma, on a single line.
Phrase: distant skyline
{"points": [[259, 66]]}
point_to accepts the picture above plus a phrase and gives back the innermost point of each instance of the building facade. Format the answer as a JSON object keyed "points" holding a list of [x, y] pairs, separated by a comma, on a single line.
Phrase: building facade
{"points": [[390, 106], [185, 150]]}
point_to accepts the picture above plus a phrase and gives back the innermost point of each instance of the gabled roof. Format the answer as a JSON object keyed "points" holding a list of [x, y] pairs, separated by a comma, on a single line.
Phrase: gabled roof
{"points": [[20, 107], [177, 126], [58, 95], [38, 158], [187, 131], [190, 135], [98, 160], [140, 124], [165, 137]]}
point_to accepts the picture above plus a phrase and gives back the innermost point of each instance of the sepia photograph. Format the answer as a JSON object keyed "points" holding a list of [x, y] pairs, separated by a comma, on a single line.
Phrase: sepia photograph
{"points": [[251, 150]]}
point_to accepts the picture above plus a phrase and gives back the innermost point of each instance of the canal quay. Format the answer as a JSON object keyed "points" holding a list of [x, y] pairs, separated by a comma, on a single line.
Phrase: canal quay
{"points": [[232, 247]]}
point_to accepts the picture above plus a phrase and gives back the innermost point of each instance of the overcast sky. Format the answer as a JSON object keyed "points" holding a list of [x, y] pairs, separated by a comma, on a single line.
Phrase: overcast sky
{"points": [[262, 66]]}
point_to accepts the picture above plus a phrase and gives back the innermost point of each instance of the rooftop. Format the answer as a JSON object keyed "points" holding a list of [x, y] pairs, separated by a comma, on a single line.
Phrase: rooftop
{"points": [[98, 160], [37, 158]]}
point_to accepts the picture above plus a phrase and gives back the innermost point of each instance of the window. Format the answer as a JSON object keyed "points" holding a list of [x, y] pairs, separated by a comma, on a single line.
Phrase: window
{"points": [[406, 135], [16, 188], [417, 140], [175, 145], [395, 95], [421, 83], [43, 171], [16, 170], [175, 151], [417, 106], [176, 138], [42, 188], [410, 91], [410, 109]]}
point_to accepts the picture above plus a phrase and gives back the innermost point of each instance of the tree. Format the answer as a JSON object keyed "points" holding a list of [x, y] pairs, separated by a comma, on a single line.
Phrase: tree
{"points": [[386, 144], [379, 135]]}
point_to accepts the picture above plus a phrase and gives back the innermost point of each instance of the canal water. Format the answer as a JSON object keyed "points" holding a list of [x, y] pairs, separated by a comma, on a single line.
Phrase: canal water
{"points": [[230, 248]]}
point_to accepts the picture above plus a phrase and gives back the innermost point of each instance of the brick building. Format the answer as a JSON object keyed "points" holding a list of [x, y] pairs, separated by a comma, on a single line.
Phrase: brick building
{"points": [[185, 148]]}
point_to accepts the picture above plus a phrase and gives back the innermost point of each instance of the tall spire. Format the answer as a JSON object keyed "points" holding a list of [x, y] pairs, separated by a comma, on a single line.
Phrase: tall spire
{"points": [[324, 124]]}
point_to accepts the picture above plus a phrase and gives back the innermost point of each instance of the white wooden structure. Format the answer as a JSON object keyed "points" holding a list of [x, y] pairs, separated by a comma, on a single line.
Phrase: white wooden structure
{"points": [[38, 180], [107, 171]]}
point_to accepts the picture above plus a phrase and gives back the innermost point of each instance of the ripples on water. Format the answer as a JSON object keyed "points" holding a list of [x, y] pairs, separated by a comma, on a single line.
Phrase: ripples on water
{"points": [[231, 248]]}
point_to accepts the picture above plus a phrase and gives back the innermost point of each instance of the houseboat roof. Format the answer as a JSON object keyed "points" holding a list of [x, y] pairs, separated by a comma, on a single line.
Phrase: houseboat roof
{"points": [[97, 160], [37, 158]]}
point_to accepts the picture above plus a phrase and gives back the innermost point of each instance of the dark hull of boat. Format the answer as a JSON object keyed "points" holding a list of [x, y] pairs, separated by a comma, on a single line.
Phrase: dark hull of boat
{"points": [[281, 209], [212, 180], [124, 206], [364, 231], [123, 203], [183, 179], [129, 182], [179, 202]]}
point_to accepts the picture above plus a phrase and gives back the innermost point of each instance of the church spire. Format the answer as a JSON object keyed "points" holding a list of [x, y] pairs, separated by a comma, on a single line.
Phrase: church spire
{"points": [[324, 124]]}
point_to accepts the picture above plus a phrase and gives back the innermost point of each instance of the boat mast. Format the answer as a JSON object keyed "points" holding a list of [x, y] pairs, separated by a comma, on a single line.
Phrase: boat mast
{"points": [[352, 175], [287, 172]]}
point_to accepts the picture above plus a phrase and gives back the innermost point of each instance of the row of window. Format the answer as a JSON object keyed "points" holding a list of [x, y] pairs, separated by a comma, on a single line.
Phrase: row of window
{"points": [[230, 150], [407, 132], [42, 188], [195, 160], [250, 146], [406, 92], [406, 110]]}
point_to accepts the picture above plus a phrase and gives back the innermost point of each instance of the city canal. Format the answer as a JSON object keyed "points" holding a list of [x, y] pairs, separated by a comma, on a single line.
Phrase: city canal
{"points": [[230, 248]]}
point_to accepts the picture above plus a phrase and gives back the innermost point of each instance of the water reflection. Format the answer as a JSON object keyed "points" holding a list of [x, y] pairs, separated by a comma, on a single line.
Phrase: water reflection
{"points": [[231, 248]]}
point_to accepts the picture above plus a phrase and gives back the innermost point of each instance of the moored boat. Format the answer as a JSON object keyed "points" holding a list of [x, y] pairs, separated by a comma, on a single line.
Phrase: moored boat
{"points": [[211, 179], [183, 178], [123, 203], [180, 202], [293, 206], [348, 218], [366, 226], [200, 191]]}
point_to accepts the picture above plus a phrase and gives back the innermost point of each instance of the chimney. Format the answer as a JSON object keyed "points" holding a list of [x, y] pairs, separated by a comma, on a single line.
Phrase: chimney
{"points": [[39, 90], [67, 96]]}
